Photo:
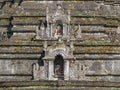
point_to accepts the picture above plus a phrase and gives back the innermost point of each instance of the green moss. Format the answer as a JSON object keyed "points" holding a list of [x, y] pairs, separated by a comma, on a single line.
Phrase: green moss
{"points": [[101, 49], [113, 88], [27, 49], [24, 88], [27, 19], [4, 21], [96, 42]]}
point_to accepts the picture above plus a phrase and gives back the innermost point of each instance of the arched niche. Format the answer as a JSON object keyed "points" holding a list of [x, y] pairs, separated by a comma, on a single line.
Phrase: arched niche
{"points": [[58, 28], [59, 67], [60, 20], [59, 51]]}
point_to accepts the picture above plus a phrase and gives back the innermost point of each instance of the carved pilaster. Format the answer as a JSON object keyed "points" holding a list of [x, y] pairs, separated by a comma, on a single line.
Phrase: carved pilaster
{"points": [[43, 31], [51, 30], [51, 70], [118, 30], [36, 69], [64, 30], [66, 70], [37, 33], [79, 32], [45, 45]]}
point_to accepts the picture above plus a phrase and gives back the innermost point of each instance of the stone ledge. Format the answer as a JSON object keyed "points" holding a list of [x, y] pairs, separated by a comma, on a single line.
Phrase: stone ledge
{"points": [[15, 74], [60, 83]]}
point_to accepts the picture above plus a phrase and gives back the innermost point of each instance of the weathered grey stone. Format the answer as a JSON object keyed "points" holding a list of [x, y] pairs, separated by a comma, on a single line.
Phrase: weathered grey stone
{"points": [[60, 88], [108, 66], [15, 78], [116, 66], [74, 67], [16, 66], [97, 57], [96, 66]]}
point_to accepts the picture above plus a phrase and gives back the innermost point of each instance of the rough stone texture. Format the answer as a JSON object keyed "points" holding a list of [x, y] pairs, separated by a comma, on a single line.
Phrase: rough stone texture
{"points": [[61, 85], [89, 7], [62, 88], [116, 67], [91, 70], [16, 66], [95, 52], [74, 71], [40, 71]]}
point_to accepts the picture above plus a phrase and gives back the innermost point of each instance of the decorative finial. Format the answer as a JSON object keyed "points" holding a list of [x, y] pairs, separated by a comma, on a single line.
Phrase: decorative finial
{"points": [[42, 27], [59, 6], [118, 30]]}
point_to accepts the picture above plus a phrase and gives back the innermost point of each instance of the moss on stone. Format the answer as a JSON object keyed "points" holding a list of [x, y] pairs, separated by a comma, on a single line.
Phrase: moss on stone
{"points": [[97, 42], [101, 49], [4, 21]]}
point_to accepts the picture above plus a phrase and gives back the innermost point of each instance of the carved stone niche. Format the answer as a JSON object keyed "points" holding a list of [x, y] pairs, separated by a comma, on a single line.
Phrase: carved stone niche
{"points": [[58, 56], [58, 25], [59, 17], [59, 21], [56, 60]]}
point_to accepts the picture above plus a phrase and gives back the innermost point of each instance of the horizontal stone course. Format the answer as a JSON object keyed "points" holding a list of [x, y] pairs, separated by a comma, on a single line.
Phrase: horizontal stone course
{"points": [[62, 83], [18, 54]]}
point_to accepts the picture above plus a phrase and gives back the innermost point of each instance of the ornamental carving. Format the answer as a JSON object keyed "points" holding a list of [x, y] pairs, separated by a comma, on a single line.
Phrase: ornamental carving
{"points": [[58, 25]]}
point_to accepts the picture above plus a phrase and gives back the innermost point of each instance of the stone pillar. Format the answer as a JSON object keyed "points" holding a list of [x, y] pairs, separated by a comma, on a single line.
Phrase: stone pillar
{"points": [[118, 30], [64, 30], [48, 32], [113, 66], [50, 71], [79, 32], [66, 70], [37, 33], [51, 30], [43, 31], [68, 31]]}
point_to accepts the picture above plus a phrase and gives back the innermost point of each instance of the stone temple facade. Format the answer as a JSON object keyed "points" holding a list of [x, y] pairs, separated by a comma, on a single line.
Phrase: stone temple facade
{"points": [[59, 55], [60, 45]]}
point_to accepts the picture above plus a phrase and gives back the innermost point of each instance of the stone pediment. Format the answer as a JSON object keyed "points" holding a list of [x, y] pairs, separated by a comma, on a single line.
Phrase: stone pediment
{"points": [[59, 48]]}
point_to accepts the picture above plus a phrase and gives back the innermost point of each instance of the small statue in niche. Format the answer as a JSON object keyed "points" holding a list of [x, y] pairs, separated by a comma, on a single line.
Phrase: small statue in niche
{"points": [[59, 31], [58, 70]]}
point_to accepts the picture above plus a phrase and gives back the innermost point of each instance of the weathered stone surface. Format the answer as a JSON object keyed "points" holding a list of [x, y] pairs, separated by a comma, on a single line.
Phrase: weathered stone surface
{"points": [[97, 57], [62, 88], [64, 85], [116, 66], [16, 67], [96, 67], [74, 67], [15, 78]]}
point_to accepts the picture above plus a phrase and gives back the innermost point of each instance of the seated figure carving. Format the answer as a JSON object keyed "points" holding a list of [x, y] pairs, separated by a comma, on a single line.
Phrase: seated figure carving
{"points": [[58, 70], [58, 32]]}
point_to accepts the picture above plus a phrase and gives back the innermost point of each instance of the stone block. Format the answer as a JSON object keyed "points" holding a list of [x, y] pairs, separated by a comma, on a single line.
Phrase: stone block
{"points": [[74, 71]]}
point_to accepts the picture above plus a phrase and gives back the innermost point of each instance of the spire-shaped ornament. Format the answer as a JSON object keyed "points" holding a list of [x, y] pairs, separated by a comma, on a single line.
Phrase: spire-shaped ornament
{"points": [[118, 30], [37, 33], [47, 12], [42, 28], [69, 18], [48, 31], [79, 32], [59, 10]]}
